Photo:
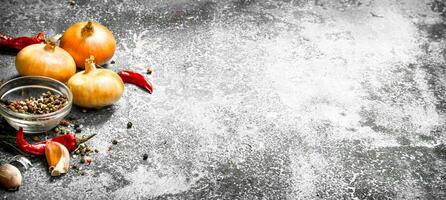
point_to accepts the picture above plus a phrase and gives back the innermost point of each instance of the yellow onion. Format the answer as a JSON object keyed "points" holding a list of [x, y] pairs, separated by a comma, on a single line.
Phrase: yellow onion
{"points": [[95, 88], [10, 177], [58, 158], [45, 60], [88, 38]]}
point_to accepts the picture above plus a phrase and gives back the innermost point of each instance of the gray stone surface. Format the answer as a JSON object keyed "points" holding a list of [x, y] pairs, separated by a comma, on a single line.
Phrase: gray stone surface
{"points": [[341, 99]]}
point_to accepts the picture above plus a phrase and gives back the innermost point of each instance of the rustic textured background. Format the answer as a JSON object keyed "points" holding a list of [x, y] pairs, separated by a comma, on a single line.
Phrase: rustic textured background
{"points": [[260, 99]]}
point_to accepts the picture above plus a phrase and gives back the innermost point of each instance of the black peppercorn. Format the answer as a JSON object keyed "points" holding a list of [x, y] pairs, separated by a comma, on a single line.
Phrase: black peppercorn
{"points": [[149, 70], [82, 160]]}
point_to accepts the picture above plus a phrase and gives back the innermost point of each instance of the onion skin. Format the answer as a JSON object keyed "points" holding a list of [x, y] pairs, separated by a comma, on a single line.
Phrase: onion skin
{"points": [[10, 177], [45, 60], [84, 39], [95, 88]]}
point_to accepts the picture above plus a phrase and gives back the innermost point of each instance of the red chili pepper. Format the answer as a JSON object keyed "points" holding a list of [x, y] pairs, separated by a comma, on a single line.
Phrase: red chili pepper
{"points": [[69, 140], [20, 42], [35, 149], [137, 79]]}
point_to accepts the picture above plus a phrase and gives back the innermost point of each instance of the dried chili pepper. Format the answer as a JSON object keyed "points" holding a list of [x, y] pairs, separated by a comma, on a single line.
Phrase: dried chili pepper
{"points": [[20, 42], [35, 149], [69, 140], [137, 79]]}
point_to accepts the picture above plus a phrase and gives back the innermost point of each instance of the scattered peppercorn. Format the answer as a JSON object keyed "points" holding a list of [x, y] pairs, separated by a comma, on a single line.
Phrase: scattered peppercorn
{"points": [[114, 142], [82, 173], [72, 3], [96, 150], [75, 167], [149, 70], [64, 122], [145, 156], [78, 130], [112, 62], [82, 160], [129, 125], [88, 160]]}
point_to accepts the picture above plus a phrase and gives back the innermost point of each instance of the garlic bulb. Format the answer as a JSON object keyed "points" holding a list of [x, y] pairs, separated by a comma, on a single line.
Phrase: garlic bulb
{"points": [[10, 177]]}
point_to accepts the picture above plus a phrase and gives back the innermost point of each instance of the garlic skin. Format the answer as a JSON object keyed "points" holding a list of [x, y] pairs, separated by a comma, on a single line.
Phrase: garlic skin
{"points": [[58, 158], [10, 177]]}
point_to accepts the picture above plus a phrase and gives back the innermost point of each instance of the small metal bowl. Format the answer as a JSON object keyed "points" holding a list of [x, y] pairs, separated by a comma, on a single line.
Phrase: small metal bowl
{"points": [[33, 86]]}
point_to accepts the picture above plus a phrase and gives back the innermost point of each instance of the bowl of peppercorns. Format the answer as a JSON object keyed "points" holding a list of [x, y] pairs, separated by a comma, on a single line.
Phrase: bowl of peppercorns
{"points": [[35, 103]]}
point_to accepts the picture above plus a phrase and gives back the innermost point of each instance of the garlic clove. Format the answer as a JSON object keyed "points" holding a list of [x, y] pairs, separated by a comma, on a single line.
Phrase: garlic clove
{"points": [[10, 177], [58, 158], [61, 167]]}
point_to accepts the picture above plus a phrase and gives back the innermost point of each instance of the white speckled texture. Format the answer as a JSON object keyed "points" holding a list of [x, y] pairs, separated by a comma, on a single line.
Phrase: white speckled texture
{"points": [[325, 99]]}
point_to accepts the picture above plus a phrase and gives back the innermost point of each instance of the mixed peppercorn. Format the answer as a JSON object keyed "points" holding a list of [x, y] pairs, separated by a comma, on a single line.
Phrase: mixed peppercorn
{"points": [[47, 103]]}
